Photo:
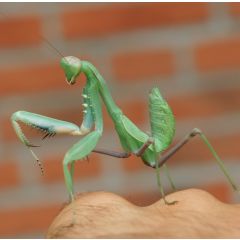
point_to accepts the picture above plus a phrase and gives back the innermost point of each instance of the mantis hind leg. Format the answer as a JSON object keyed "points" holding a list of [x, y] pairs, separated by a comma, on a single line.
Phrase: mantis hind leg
{"points": [[159, 179], [141, 151], [186, 139], [169, 177]]}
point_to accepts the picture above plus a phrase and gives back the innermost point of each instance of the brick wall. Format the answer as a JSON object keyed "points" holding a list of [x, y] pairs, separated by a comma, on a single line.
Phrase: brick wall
{"points": [[191, 51]]}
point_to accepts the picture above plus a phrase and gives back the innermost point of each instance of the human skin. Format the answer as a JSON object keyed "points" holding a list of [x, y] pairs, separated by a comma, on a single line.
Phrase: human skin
{"points": [[197, 214]]}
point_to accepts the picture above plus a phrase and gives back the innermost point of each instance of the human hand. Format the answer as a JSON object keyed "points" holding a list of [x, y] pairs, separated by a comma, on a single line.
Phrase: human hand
{"points": [[197, 214]]}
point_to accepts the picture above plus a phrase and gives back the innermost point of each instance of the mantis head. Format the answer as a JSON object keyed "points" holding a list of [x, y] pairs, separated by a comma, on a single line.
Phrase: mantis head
{"points": [[72, 68]]}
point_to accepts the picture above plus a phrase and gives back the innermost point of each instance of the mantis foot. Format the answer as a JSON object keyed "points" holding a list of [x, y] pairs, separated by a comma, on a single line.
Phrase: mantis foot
{"points": [[169, 203]]}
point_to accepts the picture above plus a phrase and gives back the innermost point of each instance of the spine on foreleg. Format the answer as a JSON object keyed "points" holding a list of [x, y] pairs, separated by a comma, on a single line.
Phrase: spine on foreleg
{"points": [[161, 118]]}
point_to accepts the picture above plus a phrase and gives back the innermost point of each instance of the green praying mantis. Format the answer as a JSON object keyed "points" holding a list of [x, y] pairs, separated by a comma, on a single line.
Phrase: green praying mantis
{"points": [[149, 147]]}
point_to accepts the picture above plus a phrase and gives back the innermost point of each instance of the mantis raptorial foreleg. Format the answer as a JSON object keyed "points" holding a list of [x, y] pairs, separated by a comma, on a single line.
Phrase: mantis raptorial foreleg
{"points": [[48, 126]]}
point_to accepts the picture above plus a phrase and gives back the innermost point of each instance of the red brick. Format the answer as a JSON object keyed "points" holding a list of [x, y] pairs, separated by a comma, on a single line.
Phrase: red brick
{"points": [[53, 168], [113, 18], [133, 164], [30, 79], [218, 54], [9, 175], [234, 8], [205, 104], [143, 65], [20, 31], [27, 220], [220, 190]]}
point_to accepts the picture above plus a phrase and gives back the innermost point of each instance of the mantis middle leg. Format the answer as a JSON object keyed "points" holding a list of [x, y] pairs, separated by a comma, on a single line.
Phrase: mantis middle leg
{"points": [[112, 153], [139, 153]]}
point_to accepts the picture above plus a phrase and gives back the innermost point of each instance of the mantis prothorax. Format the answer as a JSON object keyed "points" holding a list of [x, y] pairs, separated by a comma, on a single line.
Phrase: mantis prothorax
{"points": [[134, 141]]}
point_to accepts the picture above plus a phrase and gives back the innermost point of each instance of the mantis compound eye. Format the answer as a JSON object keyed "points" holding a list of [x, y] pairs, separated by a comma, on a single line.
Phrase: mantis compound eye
{"points": [[71, 67]]}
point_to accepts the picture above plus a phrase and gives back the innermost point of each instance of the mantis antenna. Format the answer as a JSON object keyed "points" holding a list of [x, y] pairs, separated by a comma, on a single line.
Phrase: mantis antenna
{"points": [[52, 46], [44, 39]]}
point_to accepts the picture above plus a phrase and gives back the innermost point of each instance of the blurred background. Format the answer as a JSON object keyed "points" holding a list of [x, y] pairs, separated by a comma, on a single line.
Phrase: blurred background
{"points": [[191, 51]]}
